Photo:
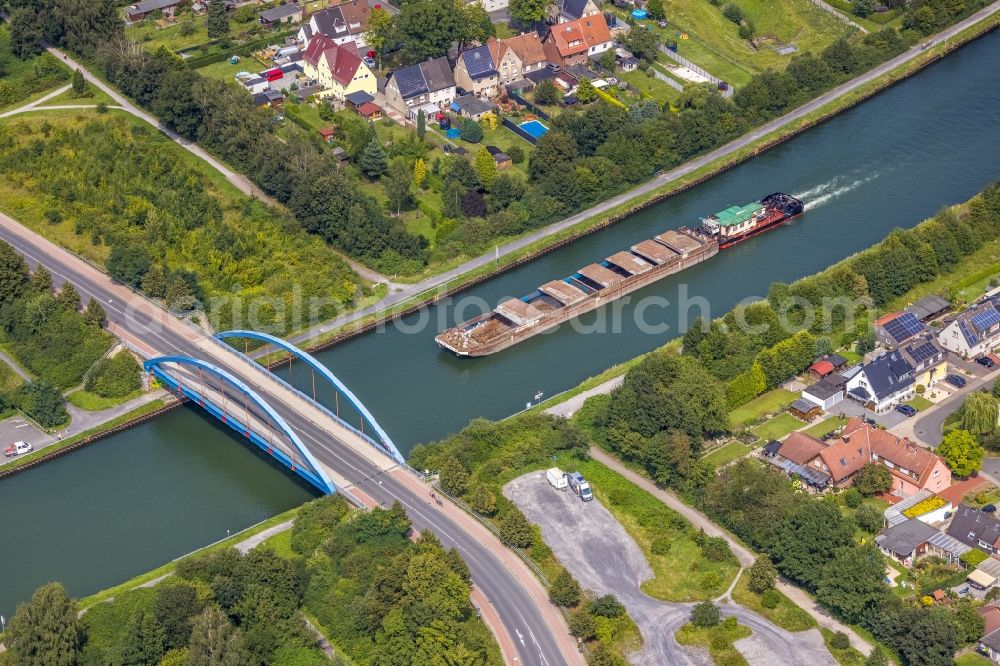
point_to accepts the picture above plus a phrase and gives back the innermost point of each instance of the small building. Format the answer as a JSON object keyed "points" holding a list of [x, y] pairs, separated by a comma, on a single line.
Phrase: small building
{"points": [[370, 111], [821, 369], [269, 98], [501, 158], [981, 580], [929, 307], [626, 60], [470, 106], [825, 393], [355, 99], [290, 13], [805, 409], [340, 154], [895, 328], [327, 133], [906, 542], [141, 10]]}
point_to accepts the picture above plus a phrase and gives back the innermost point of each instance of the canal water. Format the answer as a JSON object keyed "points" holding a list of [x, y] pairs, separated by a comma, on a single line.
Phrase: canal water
{"points": [[140, 498]]}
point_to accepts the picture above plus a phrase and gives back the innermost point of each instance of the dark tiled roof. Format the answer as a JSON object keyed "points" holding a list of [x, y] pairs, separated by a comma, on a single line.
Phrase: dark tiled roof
{"points": [[425, 77], [359, 97], [438, 74], [928, 306], [823, 390], [970, 526], [279, 12], [473, 105], [992, 640], [888, 374], [904, 538], [572, 8]]}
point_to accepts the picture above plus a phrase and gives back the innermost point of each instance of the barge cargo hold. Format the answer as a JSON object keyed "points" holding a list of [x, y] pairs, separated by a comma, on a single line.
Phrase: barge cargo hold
{"points": [[558, 301]]}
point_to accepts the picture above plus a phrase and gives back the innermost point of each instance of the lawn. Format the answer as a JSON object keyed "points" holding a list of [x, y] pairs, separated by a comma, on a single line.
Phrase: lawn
{"points": [[768, 403], [282, 545], [9, 380], [224, 71], [650, 86], [95, 403], [152, 36], [682, 574], [778, 427], [848, 657], [825, 426], [786, 614], [717, 640], [92, 95], [972, 659], [726, 454], [714, 43], [919, 403]]}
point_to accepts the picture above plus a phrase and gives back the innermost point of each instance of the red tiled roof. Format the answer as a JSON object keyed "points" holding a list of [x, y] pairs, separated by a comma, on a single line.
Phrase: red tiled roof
{"points": [[369, 108], [343, 61], [568, 38], [901, 452], [886, 318], [844, 458], [991, 616], [527, 47], [822, 368], [800, 448], [327, 131]]}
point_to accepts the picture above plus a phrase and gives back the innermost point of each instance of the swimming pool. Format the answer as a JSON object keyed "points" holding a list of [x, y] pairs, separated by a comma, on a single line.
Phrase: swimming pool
{"points": [[535, 128]]}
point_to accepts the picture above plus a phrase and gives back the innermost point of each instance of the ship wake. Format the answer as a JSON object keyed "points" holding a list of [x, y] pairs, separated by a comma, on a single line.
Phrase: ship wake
{"points": [[819, 195]]}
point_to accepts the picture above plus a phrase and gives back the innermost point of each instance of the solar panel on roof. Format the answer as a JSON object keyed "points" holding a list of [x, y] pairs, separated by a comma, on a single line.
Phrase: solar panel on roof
{"points": [[923, 352], [985, 319], [478, 62], [904, 326], [970, 338], [410, 81]]}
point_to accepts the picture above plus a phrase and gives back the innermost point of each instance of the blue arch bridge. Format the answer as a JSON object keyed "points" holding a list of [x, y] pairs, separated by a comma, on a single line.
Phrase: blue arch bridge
{"points": [[232, 400]]}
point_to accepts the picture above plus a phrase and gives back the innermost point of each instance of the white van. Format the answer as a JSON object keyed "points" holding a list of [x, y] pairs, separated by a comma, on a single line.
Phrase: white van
{"points": [[556, 478]]}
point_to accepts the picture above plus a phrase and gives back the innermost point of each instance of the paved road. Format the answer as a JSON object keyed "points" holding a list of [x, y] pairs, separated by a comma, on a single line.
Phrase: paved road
{"points": [[442, 280], [927, 426], [21, 372], [517, 597], [598, 551], [743, 554]]}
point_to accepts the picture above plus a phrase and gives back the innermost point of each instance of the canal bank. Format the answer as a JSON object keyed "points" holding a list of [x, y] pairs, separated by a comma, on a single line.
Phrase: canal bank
{"points": [[142, 497]]}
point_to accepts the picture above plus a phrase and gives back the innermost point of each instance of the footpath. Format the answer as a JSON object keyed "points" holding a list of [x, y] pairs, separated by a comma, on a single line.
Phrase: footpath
{"points": [[743, 554]]}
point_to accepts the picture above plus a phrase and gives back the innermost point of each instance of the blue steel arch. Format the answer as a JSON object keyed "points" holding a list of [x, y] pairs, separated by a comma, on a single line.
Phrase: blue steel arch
{"points": [[325, 372], [316, 476]]}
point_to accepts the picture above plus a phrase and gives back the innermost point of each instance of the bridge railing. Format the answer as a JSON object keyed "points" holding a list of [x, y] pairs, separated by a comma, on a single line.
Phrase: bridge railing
{"points": [[310, 399]]}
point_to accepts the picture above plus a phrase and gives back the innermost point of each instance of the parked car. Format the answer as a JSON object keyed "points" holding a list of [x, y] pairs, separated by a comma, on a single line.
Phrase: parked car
{"points": [[370, 62], [989, 508], [17, 449], [956, 380], [870, 421], [906, 410], [986, 362]]}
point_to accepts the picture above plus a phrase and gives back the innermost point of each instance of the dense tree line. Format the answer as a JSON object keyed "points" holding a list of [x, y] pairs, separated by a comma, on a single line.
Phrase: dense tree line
{"points": [[19, 81], [161, 226], [78, 25], [930, 16], [48, 335], [382, 598]]}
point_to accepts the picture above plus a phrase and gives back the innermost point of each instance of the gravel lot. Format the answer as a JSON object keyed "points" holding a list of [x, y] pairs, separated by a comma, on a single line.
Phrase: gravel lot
{"points": [[601, 555]]}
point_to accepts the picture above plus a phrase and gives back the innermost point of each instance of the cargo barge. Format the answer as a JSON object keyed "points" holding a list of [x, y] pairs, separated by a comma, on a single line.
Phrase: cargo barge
{"points": [[555, 302]]}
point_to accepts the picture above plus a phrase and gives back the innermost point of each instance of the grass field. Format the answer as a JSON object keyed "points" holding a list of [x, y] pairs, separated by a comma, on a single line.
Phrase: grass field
{"points": [[972, 659], [919, 403], [825, 426], [726, 454], [95, 403], [682, 573], [93, 95], [650, 86], [9, 380], [717, 640], [786, 614], [224, 71], [768, 403], [778, 427]]}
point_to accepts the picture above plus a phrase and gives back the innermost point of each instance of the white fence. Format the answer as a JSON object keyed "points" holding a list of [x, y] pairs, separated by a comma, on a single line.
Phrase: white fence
{"points": [[681, 60]]}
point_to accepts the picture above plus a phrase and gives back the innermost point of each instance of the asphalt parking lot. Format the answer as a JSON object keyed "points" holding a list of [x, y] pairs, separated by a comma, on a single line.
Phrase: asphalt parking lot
{"points": [[601, 555]]}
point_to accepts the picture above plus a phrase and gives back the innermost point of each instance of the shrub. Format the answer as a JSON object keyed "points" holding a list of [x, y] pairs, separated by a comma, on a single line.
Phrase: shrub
{"points": [[660, 545], [705, 614], [607, 606], [973, 558], [840, 641], [716, 549], [730, 623], [761, 575], [43, 403], [564, 591], [114, 377], [582, 625], [770, 599], [515, 529], [471, 131], [853, 498], [711, 581], [869, 518]]}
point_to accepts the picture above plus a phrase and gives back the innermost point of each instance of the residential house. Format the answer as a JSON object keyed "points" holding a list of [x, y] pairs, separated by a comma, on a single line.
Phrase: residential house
{"points": [[343, 23], [927, 358], [573, 42], [515, 57], [989, 644], [973, 332], [976, 528], [337, 68], [563, 11], [140, 10], [826, 393], [906, 541], [895, 328], [427, 84], [476, 73], [290, 13], [834, 462], [883, 383]]}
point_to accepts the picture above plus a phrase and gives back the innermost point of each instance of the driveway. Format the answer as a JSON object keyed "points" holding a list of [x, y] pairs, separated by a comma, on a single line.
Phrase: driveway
{"points": [[926, 426], [601, 555]]}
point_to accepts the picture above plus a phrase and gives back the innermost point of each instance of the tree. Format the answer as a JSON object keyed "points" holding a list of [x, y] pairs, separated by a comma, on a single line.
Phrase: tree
{"points": [[863, 8], [45, 631], [808, 539], [142, 642], [582, 624], [154, 282], [516, 155], [94, 315], [877, 657], [453, 476], [869, 518], [852, 580], [585, 91], [217, 19], [608, 61], [114, 377], [961, 452], [529, 11], [26, 34], [373, 162], [214, 641], [482, 500], [43, 403], [421, 123], [475, 24], [486, 168], [607, 606], [174, 606], [419, 172], [872, 479], [979, 413], [470, 131], [564, 591], [929, 638], [179, 296], [643, 44], [79, 83], [69, 297], [41, 280], [427, 29], [379, 31], [706, 614], [761, 575], [128, 263], [656, 10], [840, 56], [13, 274], [397, 183], [969, 624], [547, 93], [515, 529]]}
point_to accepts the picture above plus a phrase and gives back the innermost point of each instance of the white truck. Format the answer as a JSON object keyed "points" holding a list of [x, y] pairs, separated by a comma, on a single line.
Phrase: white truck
{"points": [[579, 485], [17, 449], [556, 478]]}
